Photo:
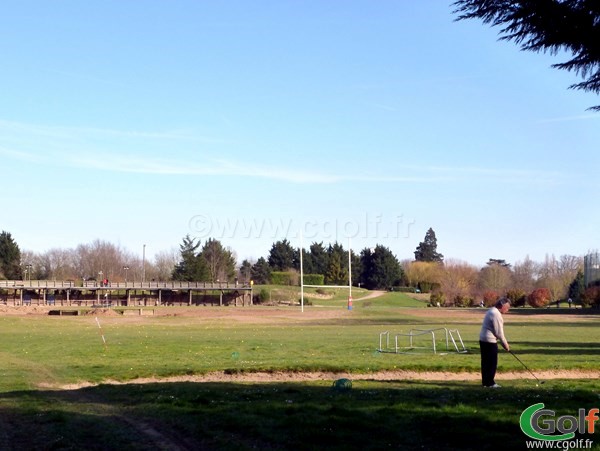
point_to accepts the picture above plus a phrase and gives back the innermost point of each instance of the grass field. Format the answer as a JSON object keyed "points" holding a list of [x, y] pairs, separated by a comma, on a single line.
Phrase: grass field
{"points": [[220, 393]]}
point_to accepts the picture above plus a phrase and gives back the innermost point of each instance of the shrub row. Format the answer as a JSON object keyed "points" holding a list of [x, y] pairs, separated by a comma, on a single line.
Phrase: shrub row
{"points": [[291, 278]]}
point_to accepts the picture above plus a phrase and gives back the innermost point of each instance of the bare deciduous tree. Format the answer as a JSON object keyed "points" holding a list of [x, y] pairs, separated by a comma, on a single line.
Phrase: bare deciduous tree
{"points": [[495, 276], [524, 275], [459, 282], [422, 273], [161, 268], [57, 264], [101, 259], [557, 274]]}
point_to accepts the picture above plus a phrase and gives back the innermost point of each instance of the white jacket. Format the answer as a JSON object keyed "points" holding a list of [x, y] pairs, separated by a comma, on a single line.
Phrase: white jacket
{"points": [[492, 329]]}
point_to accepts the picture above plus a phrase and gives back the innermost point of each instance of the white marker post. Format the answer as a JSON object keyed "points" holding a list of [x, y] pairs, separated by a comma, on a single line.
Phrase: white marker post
{"points": [[301, 275], [101, 333], [349, 276]]}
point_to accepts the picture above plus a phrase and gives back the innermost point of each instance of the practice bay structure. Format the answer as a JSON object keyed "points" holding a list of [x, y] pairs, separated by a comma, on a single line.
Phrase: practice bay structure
{"points": [[591, 268], [90, 293]]}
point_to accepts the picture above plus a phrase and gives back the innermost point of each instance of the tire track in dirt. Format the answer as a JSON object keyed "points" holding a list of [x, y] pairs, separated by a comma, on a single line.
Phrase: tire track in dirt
{"points": [[148, 432]]}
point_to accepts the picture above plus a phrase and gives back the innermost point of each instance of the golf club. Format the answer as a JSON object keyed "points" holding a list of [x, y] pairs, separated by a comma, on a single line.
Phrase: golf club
{"points": [[525, 366]]}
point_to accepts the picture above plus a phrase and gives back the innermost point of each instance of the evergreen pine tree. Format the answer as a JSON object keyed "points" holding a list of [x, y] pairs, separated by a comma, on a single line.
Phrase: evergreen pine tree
{"points": [[220, 261], [10, 257], [555, 26], [246, 271], [261, 271], [336, 275], [319, 259], [427, 249], [381, 268], [577, 287], [192, 267], [283, 256]]}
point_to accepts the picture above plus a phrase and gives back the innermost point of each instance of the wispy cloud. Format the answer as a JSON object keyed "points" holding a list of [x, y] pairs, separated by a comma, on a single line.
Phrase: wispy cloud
{"points": [[19, 155], [207, 167], [381, 106], [238, 168], [167, 153], [70, 133]]}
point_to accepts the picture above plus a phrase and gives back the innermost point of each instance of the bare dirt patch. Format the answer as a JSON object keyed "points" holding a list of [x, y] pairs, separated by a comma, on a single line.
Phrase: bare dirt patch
{"points": [[258, 314], [101, 312], [24, 310], [399, 375], [248, 314], [371, 295]]}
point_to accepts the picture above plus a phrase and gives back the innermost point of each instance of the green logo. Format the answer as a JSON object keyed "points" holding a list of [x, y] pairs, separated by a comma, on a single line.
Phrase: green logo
{"points": [[540, 424]]}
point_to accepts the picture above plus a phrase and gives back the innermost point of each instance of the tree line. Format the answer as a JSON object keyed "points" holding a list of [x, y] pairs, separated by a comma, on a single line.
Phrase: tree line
{"points": [[373, 268], [96, 260], [539, 284], [450, 282]]}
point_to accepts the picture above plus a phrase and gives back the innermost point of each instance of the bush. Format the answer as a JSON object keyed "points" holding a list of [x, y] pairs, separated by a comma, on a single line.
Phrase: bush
{"points": [[490, 297], [314, 279], [263, 296], [289, 278], [539, 297], [463, 301], [428, 287], [518, 298], [591, 296], [436, 298]]}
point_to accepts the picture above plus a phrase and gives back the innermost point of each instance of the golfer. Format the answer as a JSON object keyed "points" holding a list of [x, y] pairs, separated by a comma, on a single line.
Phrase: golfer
{"points": [[492, 332]]}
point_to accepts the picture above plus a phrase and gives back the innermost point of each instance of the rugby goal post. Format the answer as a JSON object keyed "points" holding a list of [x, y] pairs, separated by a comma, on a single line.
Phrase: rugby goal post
{"points": [[302, 285]]}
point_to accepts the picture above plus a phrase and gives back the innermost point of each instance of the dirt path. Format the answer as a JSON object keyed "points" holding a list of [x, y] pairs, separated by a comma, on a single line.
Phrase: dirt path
{"points": [[398, 375], [371, 295]]}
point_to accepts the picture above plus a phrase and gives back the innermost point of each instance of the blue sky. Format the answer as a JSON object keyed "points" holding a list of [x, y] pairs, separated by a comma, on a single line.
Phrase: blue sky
{"points": [[249, 122]]}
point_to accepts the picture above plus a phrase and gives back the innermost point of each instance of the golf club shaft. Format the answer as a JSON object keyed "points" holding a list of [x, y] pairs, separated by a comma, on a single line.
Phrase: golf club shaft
{"points": [[524, 366]]}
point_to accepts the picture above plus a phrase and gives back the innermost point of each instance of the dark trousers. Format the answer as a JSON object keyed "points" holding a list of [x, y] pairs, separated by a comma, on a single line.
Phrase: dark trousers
{"points": [[489, 362]]}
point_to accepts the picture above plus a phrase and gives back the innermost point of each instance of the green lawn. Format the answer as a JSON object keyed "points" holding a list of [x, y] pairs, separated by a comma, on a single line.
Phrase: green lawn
{"points": [[41, 353]]}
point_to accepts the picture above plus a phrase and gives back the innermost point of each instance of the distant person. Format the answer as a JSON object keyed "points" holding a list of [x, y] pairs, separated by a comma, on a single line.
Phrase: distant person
{"points": [[492, 331]]}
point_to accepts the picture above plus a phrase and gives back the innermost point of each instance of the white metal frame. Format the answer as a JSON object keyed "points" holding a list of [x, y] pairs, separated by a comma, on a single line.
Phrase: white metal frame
{"points": [[450, 335]]}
